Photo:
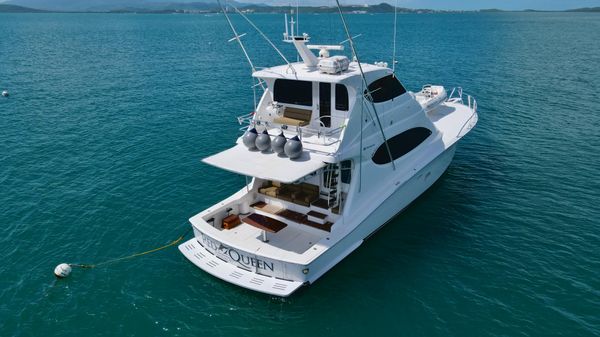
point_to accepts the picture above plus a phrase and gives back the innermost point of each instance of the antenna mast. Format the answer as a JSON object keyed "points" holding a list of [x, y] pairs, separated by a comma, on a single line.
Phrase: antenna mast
{"points": [[297, 26], [395, 24]]}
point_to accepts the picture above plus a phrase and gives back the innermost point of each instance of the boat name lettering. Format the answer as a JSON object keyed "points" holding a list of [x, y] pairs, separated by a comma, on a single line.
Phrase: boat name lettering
{"points": [[236, 256]]}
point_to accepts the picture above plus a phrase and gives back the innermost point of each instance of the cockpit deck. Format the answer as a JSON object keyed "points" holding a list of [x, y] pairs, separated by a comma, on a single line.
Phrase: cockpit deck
{"points": [[288, 211], [300, 218], [294, 238], [273, 219]]}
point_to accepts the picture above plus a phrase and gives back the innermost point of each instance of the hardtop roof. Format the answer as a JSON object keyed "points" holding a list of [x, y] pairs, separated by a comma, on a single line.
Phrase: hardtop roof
{"points": [[303, 73]]}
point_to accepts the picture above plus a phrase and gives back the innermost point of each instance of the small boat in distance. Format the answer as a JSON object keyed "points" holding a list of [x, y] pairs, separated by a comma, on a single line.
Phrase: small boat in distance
{"points": [[334, 150]]}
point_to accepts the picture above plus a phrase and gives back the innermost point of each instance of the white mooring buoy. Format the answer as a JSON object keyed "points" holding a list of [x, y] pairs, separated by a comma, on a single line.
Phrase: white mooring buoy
{"points": [[62, 270], [5, 93]]}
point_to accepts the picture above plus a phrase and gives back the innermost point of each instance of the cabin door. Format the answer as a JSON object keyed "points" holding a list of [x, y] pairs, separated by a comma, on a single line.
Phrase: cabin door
{"points": [[325, 103]]}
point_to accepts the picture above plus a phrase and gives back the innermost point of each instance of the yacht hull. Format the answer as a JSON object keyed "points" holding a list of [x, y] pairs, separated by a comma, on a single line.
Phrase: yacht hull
{"points": [[399, 200], [198, 252]]}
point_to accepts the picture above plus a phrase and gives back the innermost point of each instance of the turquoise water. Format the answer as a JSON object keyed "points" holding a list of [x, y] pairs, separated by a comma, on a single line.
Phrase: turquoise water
{"points": [[110, 114]]}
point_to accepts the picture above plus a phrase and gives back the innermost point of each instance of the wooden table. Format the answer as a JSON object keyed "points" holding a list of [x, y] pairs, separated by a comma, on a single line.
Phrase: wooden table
{"points": [[265, 223]]}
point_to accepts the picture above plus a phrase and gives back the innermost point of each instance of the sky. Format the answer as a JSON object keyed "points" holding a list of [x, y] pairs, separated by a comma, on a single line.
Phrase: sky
{"points": [[427, 4], [456, 4]]}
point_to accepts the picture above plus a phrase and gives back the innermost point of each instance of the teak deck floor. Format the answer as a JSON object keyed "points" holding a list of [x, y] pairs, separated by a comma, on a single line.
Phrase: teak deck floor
{"points": [[291, 215]]}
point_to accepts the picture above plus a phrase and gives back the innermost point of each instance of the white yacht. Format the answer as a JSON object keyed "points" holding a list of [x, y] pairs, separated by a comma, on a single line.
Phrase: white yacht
{"points": [[335, 149]]}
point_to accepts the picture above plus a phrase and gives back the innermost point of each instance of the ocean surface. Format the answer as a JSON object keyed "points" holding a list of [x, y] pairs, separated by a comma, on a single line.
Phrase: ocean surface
{"points": [[109, 116]]}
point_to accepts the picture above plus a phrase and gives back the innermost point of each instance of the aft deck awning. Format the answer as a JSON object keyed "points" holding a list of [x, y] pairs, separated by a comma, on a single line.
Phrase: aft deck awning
{"points": [[239, 159]]}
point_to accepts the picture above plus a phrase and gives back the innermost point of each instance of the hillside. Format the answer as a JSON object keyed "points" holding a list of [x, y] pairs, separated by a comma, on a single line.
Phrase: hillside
{"points": [[4, 8], [586, 10]]}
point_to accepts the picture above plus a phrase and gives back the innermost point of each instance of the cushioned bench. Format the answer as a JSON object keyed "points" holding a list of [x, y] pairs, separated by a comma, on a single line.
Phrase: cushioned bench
{"points": [[294, 116], [270, 188], [302, 194]]}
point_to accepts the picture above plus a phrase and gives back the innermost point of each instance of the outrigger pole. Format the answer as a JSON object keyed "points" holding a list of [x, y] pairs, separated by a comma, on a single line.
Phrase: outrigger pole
{"points": [[395, 25], [362, 74], [237, 36], [266, 38]]}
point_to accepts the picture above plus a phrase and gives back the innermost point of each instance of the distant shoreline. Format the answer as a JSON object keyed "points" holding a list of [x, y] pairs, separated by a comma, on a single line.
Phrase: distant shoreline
{"points": [[263, 9]]}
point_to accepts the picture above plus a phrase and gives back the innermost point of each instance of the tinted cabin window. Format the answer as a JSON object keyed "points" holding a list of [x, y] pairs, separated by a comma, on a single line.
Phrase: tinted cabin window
{"points": [[401, 144], [293, 92], [325, 103], [341, 97], [385, 89], [346, 171]]}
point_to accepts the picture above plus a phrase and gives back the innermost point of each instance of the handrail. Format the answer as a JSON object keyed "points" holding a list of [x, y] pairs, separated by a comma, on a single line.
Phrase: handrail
{"points": [[471, 103], [248, 119], [245, 119], [322, 134], [465, 124]]}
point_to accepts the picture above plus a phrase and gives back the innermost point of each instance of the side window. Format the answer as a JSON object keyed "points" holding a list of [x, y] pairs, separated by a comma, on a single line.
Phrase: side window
{"points": [[341, 97], [401, 144], [386, 88], [293, 92]]}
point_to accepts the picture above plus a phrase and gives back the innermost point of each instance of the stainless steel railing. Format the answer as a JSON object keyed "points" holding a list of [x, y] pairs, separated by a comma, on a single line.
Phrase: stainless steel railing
{"points": [[458, 96], [325, 135]]}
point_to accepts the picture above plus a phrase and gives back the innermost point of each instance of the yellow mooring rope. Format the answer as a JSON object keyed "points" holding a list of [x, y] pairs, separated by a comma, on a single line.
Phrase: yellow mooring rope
{"points": [[89, 266]]}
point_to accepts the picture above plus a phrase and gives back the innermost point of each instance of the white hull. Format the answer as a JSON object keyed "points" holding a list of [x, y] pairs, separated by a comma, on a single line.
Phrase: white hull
{"points": [[198, 249], [401, 198], [335, 150]]}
